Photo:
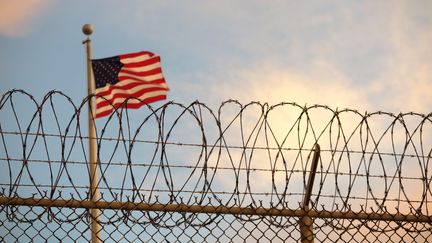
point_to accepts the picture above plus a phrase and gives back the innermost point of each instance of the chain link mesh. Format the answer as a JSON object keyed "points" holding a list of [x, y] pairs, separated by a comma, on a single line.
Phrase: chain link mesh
{"points": [[141, 226]]}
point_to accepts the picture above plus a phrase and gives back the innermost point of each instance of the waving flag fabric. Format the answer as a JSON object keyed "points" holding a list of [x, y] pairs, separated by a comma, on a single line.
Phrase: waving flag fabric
{"points": [[134, 75]]}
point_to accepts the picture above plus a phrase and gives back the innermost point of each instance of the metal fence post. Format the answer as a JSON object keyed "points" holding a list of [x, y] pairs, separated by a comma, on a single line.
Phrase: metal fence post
{"points": [[306, 222]]}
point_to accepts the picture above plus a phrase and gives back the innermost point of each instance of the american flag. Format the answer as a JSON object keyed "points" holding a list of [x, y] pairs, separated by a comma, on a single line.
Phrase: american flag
{"points": [[134, 75]]}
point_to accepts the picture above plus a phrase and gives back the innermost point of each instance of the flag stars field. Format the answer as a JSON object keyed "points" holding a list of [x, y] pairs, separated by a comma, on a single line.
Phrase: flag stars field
{"points": [[106, 71]]}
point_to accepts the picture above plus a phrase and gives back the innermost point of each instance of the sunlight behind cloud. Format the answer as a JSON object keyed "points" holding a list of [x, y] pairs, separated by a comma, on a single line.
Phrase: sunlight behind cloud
{"points": [[270, 84], [17, 17]]}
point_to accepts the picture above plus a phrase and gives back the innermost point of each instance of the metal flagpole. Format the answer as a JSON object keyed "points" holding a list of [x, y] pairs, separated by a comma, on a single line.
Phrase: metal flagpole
{"points": [[94, 192]]}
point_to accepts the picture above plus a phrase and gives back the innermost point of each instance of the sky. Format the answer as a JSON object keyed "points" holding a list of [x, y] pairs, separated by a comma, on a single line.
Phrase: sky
{"points": [[365, 55]]}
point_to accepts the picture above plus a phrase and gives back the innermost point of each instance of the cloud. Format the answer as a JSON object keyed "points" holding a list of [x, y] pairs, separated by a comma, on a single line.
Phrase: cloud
{"points": [[406, 79], [268, 82], [17, 17], [344, 55]]}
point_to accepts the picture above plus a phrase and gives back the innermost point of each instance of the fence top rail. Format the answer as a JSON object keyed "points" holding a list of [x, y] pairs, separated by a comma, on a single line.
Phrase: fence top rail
{"points": [[211, 209]]}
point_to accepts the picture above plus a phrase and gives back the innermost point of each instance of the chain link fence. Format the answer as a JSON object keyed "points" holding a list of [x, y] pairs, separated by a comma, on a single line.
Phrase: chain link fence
{"points": [[188, 173], [150, 226]]}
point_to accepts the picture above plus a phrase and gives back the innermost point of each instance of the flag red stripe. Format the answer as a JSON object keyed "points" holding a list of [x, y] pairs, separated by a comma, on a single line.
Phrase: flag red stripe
{"points": [[136, 54], [140, 81], [131, 106], [126, 95], [143, 73], [131, 85], [147, 62]]}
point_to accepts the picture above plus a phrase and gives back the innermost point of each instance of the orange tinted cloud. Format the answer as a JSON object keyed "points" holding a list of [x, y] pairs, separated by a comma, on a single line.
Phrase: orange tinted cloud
{"points": [[17, 17]]}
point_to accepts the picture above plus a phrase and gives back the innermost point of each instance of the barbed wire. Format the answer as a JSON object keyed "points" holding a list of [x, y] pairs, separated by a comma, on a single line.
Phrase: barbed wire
{"points": [[216, 146], [252, 155]]}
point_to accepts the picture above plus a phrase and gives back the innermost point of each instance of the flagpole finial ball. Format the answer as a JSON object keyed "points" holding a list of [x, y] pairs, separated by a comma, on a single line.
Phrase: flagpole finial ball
{"points": [[87, 29]]}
